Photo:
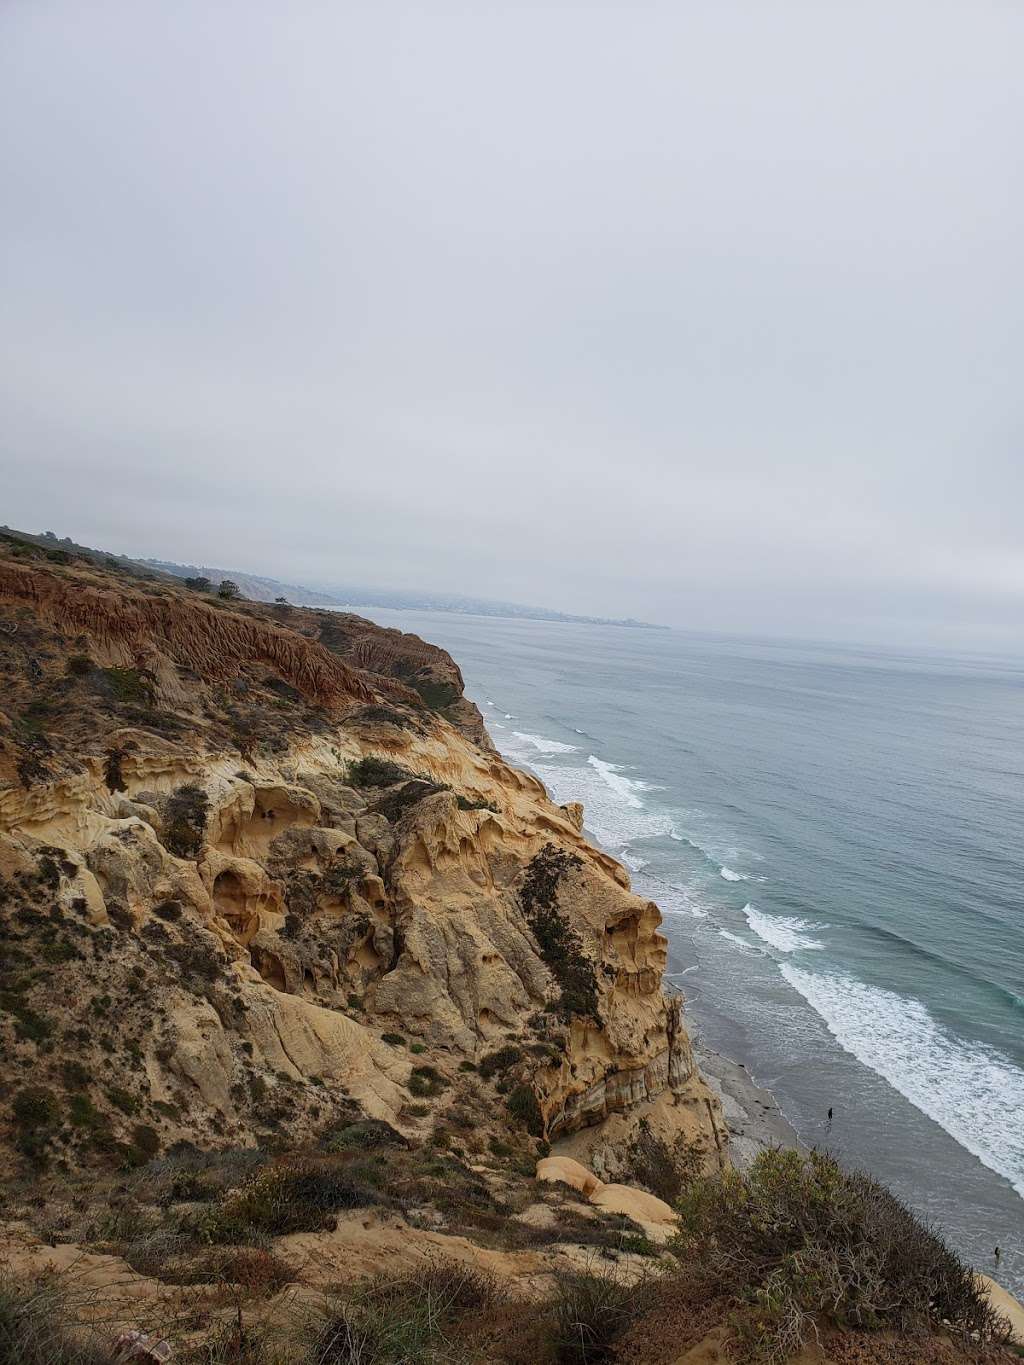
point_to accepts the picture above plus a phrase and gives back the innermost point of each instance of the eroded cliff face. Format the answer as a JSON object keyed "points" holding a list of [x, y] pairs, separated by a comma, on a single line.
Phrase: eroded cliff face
{"points": [[256, 861]]}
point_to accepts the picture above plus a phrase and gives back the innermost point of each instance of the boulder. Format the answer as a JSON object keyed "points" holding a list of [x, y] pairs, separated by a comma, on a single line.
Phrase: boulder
{"points": [[562, 1170]]}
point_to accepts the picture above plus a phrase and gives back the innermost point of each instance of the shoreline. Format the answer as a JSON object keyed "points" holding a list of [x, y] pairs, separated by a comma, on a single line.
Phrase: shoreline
{"points": [[752, 1113]]}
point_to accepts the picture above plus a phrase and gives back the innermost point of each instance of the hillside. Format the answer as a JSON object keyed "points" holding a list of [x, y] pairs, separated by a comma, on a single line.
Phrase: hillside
{"points": [[255, 587], [301, 981], [260, 589]]}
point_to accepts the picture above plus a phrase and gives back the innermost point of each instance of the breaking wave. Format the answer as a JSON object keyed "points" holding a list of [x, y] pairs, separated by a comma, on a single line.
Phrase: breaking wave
{"points": [[786, 933], [975, 1094], [740, 942], [544, 745]]}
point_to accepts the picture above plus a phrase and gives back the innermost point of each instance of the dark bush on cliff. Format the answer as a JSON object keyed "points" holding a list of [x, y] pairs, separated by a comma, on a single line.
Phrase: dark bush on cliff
{"points": [[185, 821], [376, 772], [798, 1238], [560, 945]]}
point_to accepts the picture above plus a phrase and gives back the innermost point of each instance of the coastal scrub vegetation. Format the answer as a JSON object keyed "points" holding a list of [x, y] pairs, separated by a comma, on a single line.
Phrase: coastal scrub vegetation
{"points": [[436, 695], [38, 1322], [794, 1250], [798, 1239], [665, 1171], [406, 1319], [373, 771], [560, 945], [185, 821]]}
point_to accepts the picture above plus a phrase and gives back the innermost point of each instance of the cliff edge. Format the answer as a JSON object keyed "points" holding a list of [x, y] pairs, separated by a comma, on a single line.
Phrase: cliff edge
{"points": [[256, 860]]}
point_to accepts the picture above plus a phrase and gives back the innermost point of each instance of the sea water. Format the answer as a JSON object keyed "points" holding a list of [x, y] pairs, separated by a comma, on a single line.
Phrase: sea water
{"points": [[834, 837]]}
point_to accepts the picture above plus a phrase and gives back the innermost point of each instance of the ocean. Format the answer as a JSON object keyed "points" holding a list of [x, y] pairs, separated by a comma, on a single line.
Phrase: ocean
{"points": [[834, 837]]}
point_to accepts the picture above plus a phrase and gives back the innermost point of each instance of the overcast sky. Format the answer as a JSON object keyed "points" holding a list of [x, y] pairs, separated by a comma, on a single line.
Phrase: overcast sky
{"points": [[704, 312]]}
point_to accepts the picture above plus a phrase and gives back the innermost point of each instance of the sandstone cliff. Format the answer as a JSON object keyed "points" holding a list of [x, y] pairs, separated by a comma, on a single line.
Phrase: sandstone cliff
{"points": [[259, 861]]}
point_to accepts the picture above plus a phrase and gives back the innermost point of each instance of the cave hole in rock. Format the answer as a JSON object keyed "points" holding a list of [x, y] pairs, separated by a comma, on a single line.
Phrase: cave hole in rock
{"points": [[269, 967], [229, 897]]}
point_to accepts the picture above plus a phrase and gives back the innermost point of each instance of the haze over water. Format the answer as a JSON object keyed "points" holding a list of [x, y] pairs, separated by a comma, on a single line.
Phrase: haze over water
{"points": [[833, 837]]}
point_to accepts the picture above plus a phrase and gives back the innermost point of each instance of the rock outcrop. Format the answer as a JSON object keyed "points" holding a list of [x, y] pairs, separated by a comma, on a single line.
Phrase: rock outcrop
{"points": [[256, 861]]}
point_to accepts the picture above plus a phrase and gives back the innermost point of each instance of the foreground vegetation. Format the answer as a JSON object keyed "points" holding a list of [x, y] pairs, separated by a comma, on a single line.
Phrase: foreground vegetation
{"points": [[795, 1252]]}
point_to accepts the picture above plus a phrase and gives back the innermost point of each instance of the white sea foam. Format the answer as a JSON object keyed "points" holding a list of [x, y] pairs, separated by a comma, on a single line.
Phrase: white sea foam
{"points": [[740, 942], [975, 1094], [787, 933], [544, 745], [626, 787], [614, 813], [730, 875]]}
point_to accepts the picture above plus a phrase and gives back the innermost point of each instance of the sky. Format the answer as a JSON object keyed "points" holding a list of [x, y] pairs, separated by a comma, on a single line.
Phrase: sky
{"points": [[704, 312]]}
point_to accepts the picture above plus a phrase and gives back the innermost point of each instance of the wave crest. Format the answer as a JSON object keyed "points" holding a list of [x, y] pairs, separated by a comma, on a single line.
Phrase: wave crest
{"points": [[974, 1093], [786, 933]]}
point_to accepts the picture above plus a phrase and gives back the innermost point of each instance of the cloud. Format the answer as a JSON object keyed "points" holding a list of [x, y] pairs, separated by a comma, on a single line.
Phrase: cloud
{"points": [[697, 312]]}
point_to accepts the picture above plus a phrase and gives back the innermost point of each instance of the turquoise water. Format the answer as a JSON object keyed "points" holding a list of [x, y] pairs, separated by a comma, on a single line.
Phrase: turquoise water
{"points": [[834, 838]]}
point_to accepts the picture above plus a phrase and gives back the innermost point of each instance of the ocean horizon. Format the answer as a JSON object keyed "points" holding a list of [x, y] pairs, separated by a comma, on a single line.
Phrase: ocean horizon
{"points": [[831, 834]]}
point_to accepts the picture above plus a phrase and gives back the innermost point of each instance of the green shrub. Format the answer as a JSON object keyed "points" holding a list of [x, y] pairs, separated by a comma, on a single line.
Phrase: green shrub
{"points": [[145, 1140], [74, 1074], [799, 1237], [366, 1134], [591, 1312], [284, 1199], [522, 1105], [29, 1025], [394, 1039], [500, 1060], [426, 1082], [665, 1171], [82, 1113], [373, 771], [126, 685], [437, 695], [404, 1320], [417, 1048], [185, 817], [464, 803], [35, 1107], [393, 805], [560, 945], [123, 1100]]}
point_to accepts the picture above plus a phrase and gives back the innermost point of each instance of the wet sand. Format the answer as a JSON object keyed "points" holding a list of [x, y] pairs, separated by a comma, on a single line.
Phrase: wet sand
{"points": [[752, 1113]]}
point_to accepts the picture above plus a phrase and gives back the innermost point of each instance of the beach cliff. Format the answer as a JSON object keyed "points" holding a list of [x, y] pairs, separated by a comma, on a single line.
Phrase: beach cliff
{"points": [[294, 960]]}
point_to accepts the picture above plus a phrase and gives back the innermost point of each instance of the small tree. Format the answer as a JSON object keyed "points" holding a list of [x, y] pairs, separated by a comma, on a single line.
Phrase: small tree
{"points": [[228, 590], [199, 584]]}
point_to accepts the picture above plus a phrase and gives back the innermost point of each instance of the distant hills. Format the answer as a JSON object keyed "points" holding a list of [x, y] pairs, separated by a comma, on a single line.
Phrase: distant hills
{"points": [[258, 588], [253, 586], [474, 606]]}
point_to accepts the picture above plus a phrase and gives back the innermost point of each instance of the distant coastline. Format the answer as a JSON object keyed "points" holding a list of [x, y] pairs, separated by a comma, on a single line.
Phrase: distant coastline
{"points": [[259, 588], [346, 597], [357, 599]]}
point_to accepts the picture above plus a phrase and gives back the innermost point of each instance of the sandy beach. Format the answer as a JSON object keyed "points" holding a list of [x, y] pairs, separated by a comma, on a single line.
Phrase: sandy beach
{"points": [[752, 1113]]}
